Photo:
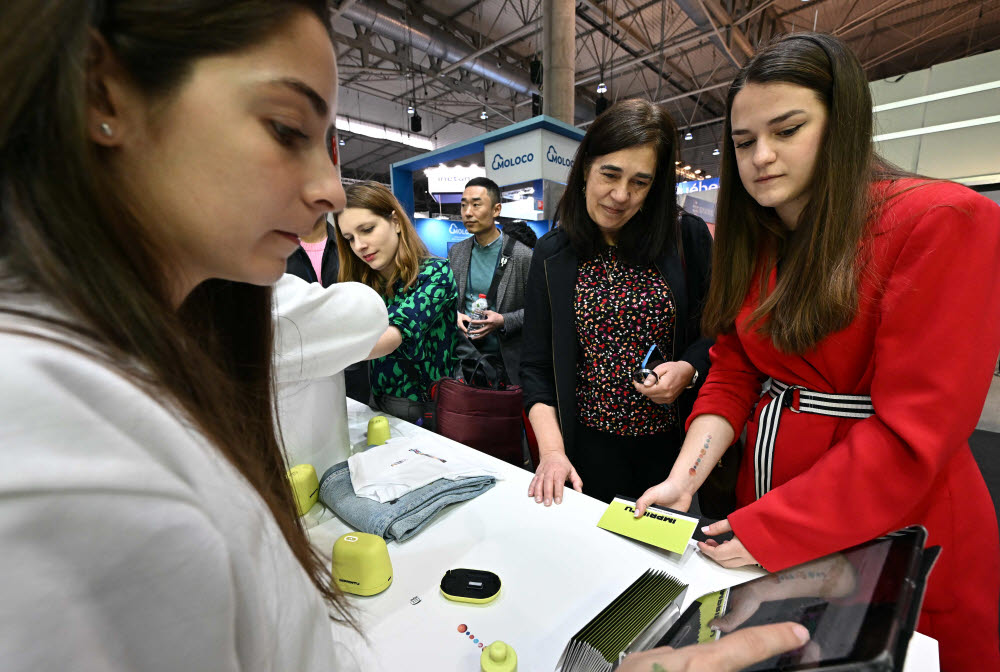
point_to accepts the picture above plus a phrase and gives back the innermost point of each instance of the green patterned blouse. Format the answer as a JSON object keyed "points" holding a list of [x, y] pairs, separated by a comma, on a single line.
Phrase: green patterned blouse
{"points": [[425, 316]]}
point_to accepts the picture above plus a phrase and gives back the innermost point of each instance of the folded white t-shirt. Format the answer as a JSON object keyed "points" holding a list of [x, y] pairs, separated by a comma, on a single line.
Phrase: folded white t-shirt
{"points": [[387, 472]]}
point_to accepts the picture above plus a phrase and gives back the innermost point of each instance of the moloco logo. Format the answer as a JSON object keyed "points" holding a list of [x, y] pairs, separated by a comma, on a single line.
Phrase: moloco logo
{"points": [[552, 156], [500, 162], [454, 228]]}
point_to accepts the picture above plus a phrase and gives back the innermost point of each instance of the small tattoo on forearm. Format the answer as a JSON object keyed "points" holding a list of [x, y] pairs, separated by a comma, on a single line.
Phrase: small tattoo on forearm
{"points": [[701, 455], [658, 668]]}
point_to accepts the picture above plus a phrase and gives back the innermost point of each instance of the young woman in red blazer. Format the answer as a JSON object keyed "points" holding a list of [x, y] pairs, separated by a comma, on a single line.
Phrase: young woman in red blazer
{"points": [[864, 301]]}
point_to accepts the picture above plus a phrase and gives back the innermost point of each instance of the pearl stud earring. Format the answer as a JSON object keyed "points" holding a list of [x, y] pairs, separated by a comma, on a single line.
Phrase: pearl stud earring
{"points": [[106, 129]]}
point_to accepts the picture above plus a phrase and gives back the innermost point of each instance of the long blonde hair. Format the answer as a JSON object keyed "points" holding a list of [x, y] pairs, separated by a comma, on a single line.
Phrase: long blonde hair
{"points": [[377, 199]]}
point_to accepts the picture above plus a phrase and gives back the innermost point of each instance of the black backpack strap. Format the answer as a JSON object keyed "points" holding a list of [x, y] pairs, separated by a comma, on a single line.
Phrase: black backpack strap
{"points": [[505, 255]]}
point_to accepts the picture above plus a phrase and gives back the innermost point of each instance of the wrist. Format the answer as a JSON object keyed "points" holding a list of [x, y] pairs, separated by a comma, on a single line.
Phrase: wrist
{"points": [[684, 485], [693, 377], [550, 453]]}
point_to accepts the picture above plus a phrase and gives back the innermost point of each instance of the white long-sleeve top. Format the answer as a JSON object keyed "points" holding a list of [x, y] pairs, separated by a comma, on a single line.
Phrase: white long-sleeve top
{"points": [[127, 542], [318, 333]]}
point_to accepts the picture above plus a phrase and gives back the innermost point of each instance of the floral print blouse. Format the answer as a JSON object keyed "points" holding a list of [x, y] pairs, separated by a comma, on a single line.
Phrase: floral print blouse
{"points": [[620, 311]]}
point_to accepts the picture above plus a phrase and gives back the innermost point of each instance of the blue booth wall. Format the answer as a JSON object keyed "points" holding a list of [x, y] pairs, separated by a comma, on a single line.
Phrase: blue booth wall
{"points": [[440, 234]]}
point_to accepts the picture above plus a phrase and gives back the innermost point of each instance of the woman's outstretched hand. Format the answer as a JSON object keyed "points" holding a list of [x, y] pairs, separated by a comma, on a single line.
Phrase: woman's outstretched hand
{"points": [[551, 474], [665, 494]]}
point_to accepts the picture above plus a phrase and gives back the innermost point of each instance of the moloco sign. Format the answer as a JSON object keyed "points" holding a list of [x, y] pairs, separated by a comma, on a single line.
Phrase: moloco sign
{"points": [[538, 154]]}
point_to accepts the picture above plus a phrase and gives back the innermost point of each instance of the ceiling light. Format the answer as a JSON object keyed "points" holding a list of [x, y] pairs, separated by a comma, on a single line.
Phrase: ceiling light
{"points": [[602, 88], [697, 171], [939, 128], [708, 177], [410, 111], [938, 96], [380, 132], [483, 115], [686, 168], [715, 152], [688, 136], [677, 163], [342, 142]]}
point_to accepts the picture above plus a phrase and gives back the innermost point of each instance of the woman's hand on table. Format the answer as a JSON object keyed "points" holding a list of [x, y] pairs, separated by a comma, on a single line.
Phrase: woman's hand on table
{"points": [[667, 494], [729, 654], [551, 474], [674, 377], [730, 553]]}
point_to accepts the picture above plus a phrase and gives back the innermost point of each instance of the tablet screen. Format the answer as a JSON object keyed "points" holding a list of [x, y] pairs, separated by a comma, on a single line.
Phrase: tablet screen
{"points": [[855, 605]]}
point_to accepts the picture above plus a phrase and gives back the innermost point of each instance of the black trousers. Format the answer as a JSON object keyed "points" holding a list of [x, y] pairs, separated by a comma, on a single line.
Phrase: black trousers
{"points": [[611, 465]]}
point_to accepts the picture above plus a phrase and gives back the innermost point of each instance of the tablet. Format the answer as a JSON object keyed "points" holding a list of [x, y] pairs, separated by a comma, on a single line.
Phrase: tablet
{"points": [[860, 606]]}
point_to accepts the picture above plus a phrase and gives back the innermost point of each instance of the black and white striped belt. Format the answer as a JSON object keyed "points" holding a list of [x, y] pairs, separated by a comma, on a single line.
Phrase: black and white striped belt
{"points": [[799, 400]]}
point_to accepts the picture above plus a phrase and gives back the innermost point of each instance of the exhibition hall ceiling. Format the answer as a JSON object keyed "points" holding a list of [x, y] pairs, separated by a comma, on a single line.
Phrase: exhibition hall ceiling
{"points": [[456, 61]]}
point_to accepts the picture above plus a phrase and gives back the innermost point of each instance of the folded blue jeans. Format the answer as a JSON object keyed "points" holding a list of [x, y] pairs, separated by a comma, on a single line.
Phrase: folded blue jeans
{"points": [[400, 519]]}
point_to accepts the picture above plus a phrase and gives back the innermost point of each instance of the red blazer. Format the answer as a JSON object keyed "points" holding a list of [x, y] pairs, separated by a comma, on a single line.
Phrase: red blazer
{"points": [[923, 345]]}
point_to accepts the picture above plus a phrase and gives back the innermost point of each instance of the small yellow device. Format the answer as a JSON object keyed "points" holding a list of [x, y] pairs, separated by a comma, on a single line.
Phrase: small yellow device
{"points": [[470, 585], [305, 486], [498, 657], [378, 430], [361, 564]]}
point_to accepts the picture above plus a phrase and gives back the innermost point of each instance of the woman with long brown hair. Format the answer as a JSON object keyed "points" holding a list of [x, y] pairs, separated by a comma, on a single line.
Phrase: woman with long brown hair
{"points": [[849, 290], [379, 247], [158, 161]]}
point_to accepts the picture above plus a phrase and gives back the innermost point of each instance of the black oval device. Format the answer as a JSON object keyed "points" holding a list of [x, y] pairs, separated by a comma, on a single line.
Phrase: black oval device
{"points": [[470, 585]]}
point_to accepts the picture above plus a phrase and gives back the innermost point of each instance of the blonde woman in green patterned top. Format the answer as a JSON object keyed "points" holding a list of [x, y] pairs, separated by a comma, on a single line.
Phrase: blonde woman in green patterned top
{"points": [[379, 247]]}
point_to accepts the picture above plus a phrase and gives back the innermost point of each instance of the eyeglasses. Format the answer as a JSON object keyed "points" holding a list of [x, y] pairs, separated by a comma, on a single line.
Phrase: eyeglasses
{"points": [[645, 370]]}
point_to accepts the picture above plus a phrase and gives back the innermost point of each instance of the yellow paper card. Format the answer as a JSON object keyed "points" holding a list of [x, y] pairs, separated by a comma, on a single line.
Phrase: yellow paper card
{"points": [[658, 527], [712, 605]]}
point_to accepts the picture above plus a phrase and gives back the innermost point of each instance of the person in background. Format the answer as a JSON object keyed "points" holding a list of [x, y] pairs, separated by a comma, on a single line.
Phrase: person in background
{"points": [[145, 515], [850, 288], [379, 247], [316, 259], [623, 272], [480, 261]]}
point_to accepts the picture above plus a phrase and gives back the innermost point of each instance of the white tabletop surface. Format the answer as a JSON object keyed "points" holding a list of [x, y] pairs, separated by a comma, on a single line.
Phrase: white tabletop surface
{"points": [[558, 570]]}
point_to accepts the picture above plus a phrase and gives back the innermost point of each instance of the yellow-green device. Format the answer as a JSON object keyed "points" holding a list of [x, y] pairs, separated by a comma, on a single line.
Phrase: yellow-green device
{"points": [[361, 564], [470, 585]]}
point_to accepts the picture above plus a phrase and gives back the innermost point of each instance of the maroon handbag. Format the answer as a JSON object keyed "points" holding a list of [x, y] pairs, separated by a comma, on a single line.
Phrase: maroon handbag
{"points": [[485, 417]]}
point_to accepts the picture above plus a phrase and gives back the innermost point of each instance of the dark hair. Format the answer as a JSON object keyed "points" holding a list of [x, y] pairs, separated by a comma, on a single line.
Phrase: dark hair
{"points": [[654, 230], [817, 289], [492, 190], [377, 198], [68, 232]]}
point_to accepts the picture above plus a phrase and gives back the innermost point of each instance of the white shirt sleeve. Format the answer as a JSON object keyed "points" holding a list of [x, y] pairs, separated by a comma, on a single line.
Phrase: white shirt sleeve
{"points": [[321, 331]]}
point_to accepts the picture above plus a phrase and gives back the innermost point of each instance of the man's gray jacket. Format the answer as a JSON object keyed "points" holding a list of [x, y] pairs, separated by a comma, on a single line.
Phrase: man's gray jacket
{"points": [[510, 296]]}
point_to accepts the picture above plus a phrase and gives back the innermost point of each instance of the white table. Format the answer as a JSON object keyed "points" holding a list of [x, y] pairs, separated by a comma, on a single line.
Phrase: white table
{"points": [[558, 570]]}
